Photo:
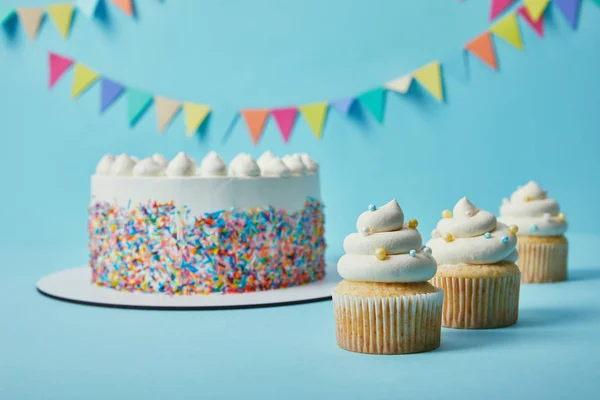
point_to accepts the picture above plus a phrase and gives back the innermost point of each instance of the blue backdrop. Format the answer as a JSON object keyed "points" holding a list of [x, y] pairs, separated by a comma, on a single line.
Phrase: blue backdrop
{"points": [[534, 119]]}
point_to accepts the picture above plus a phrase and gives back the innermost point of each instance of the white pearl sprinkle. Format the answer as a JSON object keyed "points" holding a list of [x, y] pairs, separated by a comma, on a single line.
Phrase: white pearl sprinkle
{"points": [[366, 231], [427, 250]]}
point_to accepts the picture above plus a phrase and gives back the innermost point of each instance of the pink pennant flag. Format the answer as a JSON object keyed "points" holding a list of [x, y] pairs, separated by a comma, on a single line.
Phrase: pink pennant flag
{"points": [[498, 7], [285, 118], [58, 66]]}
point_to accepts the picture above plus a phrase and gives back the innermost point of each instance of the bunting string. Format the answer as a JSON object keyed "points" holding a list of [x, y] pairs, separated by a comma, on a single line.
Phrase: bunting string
{"points": [[504, 14]]}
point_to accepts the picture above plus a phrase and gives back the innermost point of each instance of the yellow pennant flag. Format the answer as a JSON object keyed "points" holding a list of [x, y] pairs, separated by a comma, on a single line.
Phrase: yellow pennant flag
{"points": [[430, 77], [507, 28], [536, 8], [166, 109], [194, 114], [83, 77], [31, 18], [315, 114], [62, 16], [400, 85]]}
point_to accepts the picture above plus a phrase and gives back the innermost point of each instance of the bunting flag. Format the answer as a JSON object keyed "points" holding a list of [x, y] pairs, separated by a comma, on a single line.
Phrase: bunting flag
{"points": [[110, 91], [538, 26], [430, 77], [457, 66], [498, 7], [88, 7], [315, 114], [31, 18], [61, 15], [536, 8], [58, 65], [255, 121], [400, 85], [285, 119], [374, 101], [125, 5], [138, 102], [166, 109], [507, 28], [570, 10], [195, 115], [343, 106], [483, 48], [6, 14], [82, 79]]}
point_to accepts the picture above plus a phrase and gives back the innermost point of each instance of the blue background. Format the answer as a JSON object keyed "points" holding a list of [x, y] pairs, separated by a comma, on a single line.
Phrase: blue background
{"points": [[535, 119]]}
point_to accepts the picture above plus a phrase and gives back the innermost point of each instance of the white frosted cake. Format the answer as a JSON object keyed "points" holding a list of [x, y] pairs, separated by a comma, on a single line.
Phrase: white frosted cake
{"points": [[180, 228]]}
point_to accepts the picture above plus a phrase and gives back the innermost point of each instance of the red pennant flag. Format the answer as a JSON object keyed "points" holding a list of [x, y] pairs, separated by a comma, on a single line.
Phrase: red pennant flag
{"points": [[58, 66], [285, 118], [255, 120], [483, 47], [498, 6], [538, 25]]}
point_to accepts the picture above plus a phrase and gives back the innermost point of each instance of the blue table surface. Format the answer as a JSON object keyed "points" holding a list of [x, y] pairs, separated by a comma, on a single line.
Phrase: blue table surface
{"points": [[55, 350]]}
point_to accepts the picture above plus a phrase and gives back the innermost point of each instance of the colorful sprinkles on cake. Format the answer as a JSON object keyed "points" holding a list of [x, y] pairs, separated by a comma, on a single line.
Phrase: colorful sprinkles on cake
{"points": [[159, 248]]}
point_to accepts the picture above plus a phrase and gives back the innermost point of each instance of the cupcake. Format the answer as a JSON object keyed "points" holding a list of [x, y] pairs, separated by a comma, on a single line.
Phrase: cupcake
{"points": [[476, 268], [542, 245], [385, 305]]}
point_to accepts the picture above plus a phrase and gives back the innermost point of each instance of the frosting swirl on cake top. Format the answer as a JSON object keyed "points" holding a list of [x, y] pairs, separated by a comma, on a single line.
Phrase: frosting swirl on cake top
{"points": [[386, 249], [147, 167], [213, 165], [181, 165], [122, 166], [533, 212], [243, 165], [275, 167], [469, 235]]}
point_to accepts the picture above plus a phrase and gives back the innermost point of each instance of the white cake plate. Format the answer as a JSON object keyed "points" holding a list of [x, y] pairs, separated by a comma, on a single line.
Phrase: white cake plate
{"points": [[74, 285]]}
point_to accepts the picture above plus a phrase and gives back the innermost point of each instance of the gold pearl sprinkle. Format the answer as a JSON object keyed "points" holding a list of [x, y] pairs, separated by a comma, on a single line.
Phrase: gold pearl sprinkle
{"points": [[413, 223], [448, 237], [528, 198], [561, 217], [446, 214], [513, 229], [380, 253]]}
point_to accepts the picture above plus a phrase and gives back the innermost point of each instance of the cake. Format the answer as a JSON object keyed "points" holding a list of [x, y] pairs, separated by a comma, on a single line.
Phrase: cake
{"points": [[541, 229], [476, 268], [175, 227], [385, 305]]}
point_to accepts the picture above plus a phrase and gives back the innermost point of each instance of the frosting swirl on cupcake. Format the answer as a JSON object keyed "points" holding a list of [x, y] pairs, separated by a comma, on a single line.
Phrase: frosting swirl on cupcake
{"points": [[385, 249], [533, 212], [472, 236]]}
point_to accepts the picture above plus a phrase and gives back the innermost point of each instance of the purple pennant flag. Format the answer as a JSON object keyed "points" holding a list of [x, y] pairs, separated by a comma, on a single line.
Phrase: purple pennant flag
{"points": [[343, 105], [570, 9], [109, 92]]}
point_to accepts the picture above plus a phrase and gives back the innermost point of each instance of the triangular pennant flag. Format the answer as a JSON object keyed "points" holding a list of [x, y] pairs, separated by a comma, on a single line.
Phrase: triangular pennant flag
{"points": [[61, 15], [597, 2], [138, 102], [536, 8], [87, 7], [400, 85], [343, 106], [285, 118], [125, 5], [31, 18], [315, 114], [498, 7], [82, 79], [194, 114], [6, 13], [255, 121], [457, 66], [110, 91], [430, 77], [374, 101], [538, 25], [58, 66], [507, 28], [166, 109], [483, 48], [570, 9]]}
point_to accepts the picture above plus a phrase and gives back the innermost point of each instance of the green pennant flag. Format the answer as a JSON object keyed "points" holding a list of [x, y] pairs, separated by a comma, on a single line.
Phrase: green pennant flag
{"points": [[374, 101], [6, 13], [138, 102]]}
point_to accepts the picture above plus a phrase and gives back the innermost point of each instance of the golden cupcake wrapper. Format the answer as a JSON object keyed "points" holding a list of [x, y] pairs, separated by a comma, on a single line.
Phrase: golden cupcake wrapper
{"points": [[388, 325], [542, 262], [479, 303]]}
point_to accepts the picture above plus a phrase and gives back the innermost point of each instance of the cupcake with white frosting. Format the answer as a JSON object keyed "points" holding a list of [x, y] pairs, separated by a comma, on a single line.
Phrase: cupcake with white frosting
{"points": [[541, 230], [476, 257], [385, 305]]}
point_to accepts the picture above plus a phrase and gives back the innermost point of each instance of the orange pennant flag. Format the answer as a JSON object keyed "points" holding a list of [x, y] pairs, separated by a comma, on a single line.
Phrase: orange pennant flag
{"points": [[483, 47], [125, 5], [255, 120]]}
